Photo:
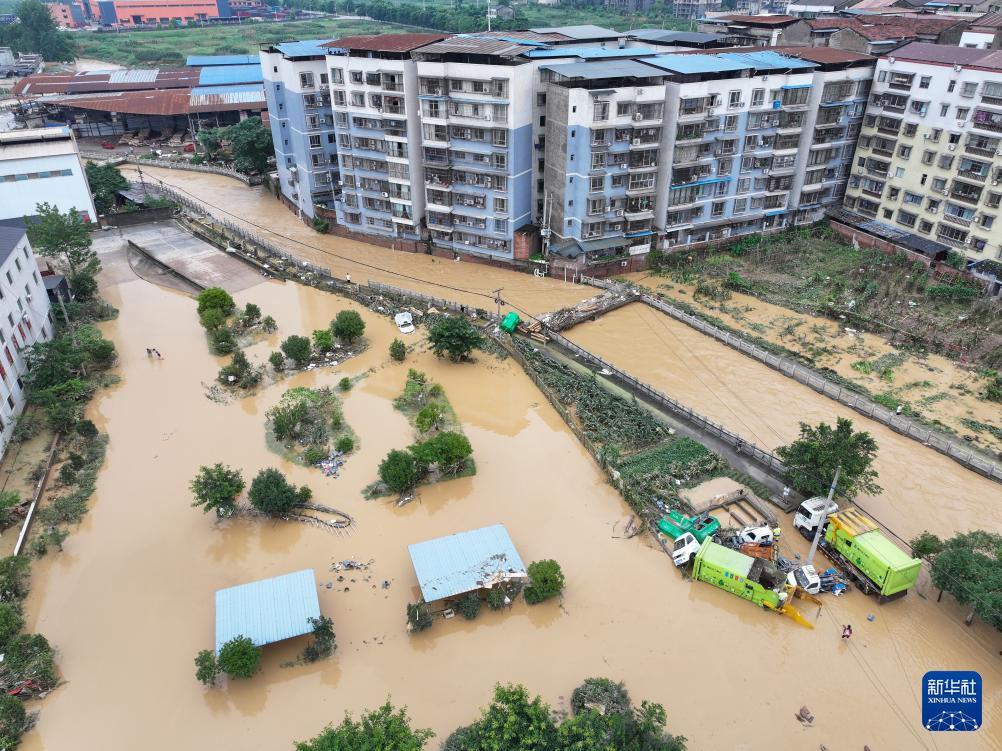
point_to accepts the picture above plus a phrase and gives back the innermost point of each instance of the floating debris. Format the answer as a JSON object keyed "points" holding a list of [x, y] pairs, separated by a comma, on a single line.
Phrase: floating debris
{"points": [[350, 564], [331, 466]]}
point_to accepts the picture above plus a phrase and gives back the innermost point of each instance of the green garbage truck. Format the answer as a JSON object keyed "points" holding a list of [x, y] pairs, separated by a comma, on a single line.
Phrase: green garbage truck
{"points": [[700, 525], [856, 545], [754, 579]]}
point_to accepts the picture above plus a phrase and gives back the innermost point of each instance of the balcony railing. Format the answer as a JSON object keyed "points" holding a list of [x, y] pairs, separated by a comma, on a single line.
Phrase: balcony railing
{"points": [[957, 220], [947, 240], [900, 85], [965, 197], [969, 175], [979, 150]]}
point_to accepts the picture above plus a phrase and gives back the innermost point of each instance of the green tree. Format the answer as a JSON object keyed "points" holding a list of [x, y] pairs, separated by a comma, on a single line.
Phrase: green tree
{"points": [[323, 341], [545, 580], [612, 696], [215, 297], [297, 349], [211, 139], [277, 361], [812, 459], [13, 721], [66, 238], [36, 32], [271, 493], [252, 313], [239, 658], [429, 417], [384, 729], [217, 487], [323, 639], [207, 667], [29, 656], [105, 181], [251, 144], [399, 471], [925, 545], [14, 573], [469, 605], [449, 450], [398, 351], [11, 622], [418, 617], [513, 722], [212, 318], [969, 566], [344, 384], [347, 326], [454, 336]]}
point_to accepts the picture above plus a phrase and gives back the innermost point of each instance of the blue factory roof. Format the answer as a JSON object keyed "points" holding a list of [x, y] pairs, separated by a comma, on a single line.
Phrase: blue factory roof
{"points": [[223, 75], [208, 60], [690, 64], [590, 53], [268, 610], [304, 48], [464, 562], [606, 69], [768, 60]]}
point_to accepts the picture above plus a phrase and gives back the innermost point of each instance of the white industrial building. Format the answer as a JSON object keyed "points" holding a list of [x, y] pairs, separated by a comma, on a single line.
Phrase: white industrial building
{"points": [[24, 319], [42, 165]]}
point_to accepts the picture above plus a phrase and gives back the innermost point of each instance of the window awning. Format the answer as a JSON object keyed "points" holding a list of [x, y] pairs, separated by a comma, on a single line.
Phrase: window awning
{"points": [[640, 233], [799, 86], [775, 212]]}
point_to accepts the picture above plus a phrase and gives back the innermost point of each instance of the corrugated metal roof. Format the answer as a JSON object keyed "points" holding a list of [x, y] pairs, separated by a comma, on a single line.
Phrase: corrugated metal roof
{"points": [[207, 96], [268, 610], [590, 53], [606, 69], [665, 36], [769, 60], [134, 75], [224, 75], [91, 81], [303, 48], [580, 33], [463, 562], [385, 42], [763, 20], [475, 44], [207, 60], [690, 64], [926, 52]]}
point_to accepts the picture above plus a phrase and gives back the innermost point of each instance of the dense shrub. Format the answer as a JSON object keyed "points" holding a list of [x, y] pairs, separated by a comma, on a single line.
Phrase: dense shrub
{"points": [[399, 471], [546, 580], [239, 658]]}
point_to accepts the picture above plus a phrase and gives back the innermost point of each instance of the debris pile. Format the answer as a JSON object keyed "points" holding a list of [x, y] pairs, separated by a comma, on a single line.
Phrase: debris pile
{"points": [[331, 466]]}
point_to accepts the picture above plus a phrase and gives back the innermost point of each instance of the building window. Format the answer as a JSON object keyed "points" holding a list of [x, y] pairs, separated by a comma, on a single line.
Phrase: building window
{"points": [[306, 80], [357, 99], [924, 82], [315, 142], [952, 85], [757, 97], [337, 76], [601, 111], [963, 112], [734, 98], [622, 109], [596, 184], [968, 89]]}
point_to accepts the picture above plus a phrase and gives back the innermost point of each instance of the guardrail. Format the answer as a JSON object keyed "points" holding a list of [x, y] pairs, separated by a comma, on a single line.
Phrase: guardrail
{"points": [[181, 165], [930, 437]]}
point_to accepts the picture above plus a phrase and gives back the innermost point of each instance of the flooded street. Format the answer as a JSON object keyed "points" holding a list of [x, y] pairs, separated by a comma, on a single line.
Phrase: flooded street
{"points": [[130, 601], [922, 488]]}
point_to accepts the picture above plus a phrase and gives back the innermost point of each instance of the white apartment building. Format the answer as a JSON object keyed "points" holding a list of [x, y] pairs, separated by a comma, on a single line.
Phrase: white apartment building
{"points": [[24, 319], [929, 159], [42, 165]]}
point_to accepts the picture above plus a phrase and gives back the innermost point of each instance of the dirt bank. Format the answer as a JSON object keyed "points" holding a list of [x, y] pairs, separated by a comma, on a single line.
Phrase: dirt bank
{"points": [[130, 602]]}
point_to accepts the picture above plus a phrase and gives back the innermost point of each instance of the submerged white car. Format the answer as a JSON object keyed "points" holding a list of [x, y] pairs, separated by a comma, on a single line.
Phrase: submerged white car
{"points": [[404, 322]]}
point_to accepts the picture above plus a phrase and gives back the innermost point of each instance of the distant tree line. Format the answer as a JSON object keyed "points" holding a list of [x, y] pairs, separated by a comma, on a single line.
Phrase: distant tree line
{"points": [[36, 33]]}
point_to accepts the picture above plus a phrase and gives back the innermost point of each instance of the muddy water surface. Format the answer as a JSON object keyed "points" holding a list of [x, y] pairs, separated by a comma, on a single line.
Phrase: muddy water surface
{"points": [[130, 602]]}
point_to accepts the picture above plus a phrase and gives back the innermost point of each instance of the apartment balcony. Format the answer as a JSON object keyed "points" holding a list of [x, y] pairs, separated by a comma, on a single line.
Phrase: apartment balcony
{"points": [[636, 215], [951, 241], [954, 219], [980, 151], [639, 143], [690, 138], [965, 197], [883, 152], [876, 173], [969, 175], [648, 190], [889, 130], [991, 127], [900, 85], [874, 193]]}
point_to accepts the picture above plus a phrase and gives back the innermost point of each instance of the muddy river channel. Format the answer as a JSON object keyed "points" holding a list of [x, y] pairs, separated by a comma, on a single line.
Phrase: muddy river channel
{"points": [[130, 601]]}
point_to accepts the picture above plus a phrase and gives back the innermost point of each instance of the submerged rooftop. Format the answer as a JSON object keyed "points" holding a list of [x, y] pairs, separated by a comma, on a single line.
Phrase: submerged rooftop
{"points": [[465, 562], [268, 610]]}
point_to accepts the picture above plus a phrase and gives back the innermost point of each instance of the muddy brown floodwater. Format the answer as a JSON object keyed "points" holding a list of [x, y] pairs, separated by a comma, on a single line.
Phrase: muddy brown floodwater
{"points": [[130, 601]]}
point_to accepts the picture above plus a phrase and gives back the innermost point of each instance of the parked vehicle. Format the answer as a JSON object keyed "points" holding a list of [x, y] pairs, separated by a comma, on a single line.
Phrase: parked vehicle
{"points": [[405, 322], [855, 544], [805, 577], [754, 579], [811, 513], [686, 546], [763, 535], [701, 526]]}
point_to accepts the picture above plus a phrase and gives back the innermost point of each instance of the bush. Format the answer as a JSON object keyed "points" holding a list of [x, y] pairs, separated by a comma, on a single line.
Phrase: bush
{"points": [[454, 336], [14, 577], [993, 390], [86, 429], [214, 297], [546, 580], [323, 639], [314, 455], [269, 325], [418, 617], [611, 695], [67, 475], [271, 493], [323, 340], [222, 341], [277, 360], [252, 313], [11, 622], [207, 667], [469, 605], [398, 351], [496, 597], [29, 656], [239, 658], [347, 326], [297, 349], [14, 721], [399, 471], [345, 444], [429, 417], [449, 450], [344, 384]]}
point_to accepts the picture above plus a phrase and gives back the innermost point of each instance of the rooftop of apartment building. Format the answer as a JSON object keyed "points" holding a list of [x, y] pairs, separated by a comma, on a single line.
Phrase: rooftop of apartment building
{"points": [[12, 231], [388, 43], [826, 58], [764, 21], [24, 144], [876, 28], [298, 50], [942, 54], [678, 38], [991, 21]]}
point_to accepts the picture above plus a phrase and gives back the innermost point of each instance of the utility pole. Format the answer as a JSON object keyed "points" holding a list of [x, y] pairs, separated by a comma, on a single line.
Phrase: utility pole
{"points": [[821, 522], [488, 15], [498, 300]]}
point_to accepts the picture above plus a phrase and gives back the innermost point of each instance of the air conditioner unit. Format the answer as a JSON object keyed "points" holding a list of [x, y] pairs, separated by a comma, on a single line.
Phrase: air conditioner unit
{"points": [[933, 210], [385, 195], [967, 240], [622, 165], [958, 68], [637, 116], [946, 192], [995, 182], [487, 182], [925, 136], [624, 264], [619, 212], [960, 123], [636, 141], [952, 147]]}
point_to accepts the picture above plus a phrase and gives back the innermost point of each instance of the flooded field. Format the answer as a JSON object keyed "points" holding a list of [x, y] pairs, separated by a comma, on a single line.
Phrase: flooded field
{"points": [[932, 385], [130, 601]]}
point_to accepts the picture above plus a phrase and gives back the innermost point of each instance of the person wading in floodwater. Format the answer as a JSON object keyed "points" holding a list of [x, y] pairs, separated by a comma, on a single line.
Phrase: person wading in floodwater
{"points": [[846, 632]]}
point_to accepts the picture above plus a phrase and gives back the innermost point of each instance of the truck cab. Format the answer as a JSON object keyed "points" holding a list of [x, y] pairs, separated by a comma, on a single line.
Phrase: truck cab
{"points": [[813, 513], [805, 577], [764, 535], [686, 546]]}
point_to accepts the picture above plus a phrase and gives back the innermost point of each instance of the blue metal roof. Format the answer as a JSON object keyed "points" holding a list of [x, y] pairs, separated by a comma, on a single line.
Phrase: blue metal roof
{"points": [[606, 69], [223, 75], [688, 64], [303, 48], [268, 610], [204, 60], [590, 53], [464, 562], [768, 60]]}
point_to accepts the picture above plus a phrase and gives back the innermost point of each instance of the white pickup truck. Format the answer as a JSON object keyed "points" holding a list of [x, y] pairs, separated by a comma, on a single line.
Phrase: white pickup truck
{"points": [[686, 546], [812, 513]]}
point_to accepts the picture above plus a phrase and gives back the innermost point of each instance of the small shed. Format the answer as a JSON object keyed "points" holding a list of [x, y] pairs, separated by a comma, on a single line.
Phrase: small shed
{"points": [[466, 562], [268, 610]]}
